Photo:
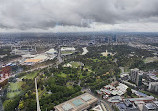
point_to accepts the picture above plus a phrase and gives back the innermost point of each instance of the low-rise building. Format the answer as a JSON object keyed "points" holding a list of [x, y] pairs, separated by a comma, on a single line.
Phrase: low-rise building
{"points": [[109, 90], [153, 86], [115, 99], [151, 77], [150, 107], [124, 76], [127, 105]]}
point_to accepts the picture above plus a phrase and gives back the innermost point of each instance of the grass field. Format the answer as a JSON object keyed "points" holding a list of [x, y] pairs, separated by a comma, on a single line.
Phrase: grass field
{"points": [[31, 75], [75, 64], [16, 85], [67, 52], [13, 94], [15, 89], [69, 85], [62, 75], [150, 59]]}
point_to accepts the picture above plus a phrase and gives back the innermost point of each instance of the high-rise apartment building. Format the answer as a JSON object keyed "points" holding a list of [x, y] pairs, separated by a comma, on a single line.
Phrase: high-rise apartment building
{"points": [[136, 76]]}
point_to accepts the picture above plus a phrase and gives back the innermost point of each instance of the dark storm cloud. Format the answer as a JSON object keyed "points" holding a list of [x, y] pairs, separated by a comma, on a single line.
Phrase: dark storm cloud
{"points": [[43, 14]]}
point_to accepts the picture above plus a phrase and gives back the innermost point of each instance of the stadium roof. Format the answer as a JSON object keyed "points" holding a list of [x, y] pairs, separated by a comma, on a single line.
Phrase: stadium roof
{"points": [[86, 97], [67, 107], [78, 103]]}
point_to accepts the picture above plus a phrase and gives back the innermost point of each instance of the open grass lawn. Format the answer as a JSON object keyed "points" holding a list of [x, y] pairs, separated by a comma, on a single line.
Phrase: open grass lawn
{"points": [[30, 75], [15, 86], [62, 75], [13, 94], [67, 52], [69, 85], [150, 59], [75, 64], [15, 89]]}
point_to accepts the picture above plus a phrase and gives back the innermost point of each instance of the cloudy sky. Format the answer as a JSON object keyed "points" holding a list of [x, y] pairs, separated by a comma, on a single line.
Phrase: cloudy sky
{"points": [[78, 15]]}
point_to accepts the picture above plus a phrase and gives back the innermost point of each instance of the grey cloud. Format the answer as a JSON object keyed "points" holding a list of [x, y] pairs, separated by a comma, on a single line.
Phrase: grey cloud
{"points": [[43, 14]]}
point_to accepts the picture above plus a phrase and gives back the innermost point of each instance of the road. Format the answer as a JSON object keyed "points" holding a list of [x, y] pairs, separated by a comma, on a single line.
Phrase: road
{"points": [[108, 107], [106, 104], [59, 56], [37, 97], [41, 67], [1, 105]]}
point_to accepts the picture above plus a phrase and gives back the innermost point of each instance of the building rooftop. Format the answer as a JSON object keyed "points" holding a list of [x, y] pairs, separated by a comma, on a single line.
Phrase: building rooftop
{"points": [[86, 97], [67, 107], [76, 104], [115, 99], [156, 102], [119, 90], [140, 94], [67, 48], [97, 108], [154, 77], [150, 106], [127, 104], [148, 98], [135, 69], [105, 91]]}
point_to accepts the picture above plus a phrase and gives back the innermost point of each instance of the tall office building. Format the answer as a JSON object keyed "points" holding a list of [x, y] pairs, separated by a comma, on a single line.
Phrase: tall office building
{"points": [[136, 76]]}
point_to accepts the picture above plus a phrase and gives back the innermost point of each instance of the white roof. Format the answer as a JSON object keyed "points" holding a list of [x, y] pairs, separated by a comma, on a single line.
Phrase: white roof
{"points": [[28, 55], [67, 107], [97, 108], [67, 48], [122, 87], [109, 86], [51, 51], [115, 99], [40, 56], [142, 99], [86, 97]]}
